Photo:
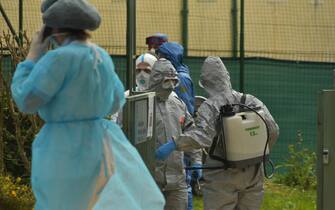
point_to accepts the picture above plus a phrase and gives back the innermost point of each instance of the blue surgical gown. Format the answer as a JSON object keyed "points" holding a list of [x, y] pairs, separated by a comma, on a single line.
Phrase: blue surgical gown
{"points": [[80, 160]]}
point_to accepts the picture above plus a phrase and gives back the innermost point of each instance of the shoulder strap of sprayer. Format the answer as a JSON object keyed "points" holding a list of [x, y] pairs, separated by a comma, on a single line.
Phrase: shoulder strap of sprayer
{"points": [[243, 102], [243, 98], [218, 124]]}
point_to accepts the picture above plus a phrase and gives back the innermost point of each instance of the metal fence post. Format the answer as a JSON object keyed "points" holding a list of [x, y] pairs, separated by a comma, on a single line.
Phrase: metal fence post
{"points": [[21, 21], [184, 27], [131, 43], [242, 47], [234, 28]]}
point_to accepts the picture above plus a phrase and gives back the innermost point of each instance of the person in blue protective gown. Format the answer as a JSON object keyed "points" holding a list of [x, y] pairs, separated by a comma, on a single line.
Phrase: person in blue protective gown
{"points": [[80, 161]]}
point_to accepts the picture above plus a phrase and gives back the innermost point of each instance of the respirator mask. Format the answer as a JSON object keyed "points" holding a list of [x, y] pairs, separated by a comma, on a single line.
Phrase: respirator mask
{"points": [[142, 80]]}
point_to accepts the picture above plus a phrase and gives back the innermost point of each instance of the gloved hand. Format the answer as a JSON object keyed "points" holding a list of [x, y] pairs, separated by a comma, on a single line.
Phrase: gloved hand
{"points": [[197, 173], [37, 46], [165, 150]]}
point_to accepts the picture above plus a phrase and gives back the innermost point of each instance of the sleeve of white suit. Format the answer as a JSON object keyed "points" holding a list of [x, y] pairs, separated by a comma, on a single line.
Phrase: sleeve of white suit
{"points": [[194, 154], [202, 134]]}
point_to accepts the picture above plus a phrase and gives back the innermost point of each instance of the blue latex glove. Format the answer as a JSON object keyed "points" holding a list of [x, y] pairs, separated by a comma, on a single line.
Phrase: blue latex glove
{"points": [[197, 173], [165, 150]]}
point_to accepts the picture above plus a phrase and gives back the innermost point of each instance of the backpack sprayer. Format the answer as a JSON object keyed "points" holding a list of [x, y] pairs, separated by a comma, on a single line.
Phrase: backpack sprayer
{"points": [[242, 139]]}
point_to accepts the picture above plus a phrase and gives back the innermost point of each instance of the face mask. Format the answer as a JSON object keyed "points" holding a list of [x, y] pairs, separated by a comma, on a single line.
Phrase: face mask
{"points": [[142, 81]]}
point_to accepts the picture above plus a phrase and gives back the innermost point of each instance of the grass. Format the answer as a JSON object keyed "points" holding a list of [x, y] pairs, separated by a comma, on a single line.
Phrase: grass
{"points": [[280, 197], [197, 203]]}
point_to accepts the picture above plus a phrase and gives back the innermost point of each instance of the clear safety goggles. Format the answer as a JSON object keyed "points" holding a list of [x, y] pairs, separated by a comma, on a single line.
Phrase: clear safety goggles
{"points": [[170, 83], [146, 70]]}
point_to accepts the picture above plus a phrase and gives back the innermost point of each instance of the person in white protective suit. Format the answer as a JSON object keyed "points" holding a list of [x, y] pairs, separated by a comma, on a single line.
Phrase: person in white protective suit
{"points": [[80, 161], [144, 64], [232, 188], [143, 68], [172, 119]]}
